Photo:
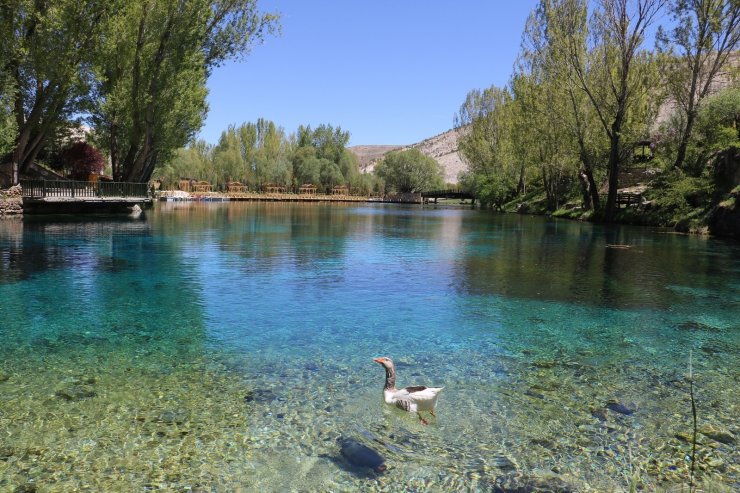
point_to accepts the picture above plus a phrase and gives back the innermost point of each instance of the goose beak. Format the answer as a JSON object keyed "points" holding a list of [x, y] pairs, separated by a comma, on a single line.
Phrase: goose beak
{"points": [[378, 360]]}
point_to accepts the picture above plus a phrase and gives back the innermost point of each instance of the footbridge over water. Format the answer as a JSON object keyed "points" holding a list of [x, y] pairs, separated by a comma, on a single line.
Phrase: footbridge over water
{"points": [[447, 194]]}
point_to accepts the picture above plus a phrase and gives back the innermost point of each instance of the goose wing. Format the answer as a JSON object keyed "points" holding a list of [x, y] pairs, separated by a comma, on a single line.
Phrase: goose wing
{"points": [[408, 397], [422, 394]]}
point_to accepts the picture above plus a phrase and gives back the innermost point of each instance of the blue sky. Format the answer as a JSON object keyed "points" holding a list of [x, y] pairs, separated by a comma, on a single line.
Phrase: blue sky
{"points": [[388, 71]]}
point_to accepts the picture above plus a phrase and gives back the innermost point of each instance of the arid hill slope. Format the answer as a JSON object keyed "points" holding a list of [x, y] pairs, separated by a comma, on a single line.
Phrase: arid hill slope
{"points": [[442, 147]]}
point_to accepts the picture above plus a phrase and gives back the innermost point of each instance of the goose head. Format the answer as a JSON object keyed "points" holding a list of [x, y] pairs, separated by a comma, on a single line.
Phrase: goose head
{"points": [[390, 371], [385, 361]]}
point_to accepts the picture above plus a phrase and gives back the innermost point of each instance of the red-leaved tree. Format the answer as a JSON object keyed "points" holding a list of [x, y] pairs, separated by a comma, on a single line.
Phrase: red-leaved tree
{"points": [[83, 160]]}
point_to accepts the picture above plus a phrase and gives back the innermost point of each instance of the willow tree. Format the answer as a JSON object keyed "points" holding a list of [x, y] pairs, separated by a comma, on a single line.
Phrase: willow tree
{"points": [[152, 67], [616, 74], [45, 59], [705, 34]]}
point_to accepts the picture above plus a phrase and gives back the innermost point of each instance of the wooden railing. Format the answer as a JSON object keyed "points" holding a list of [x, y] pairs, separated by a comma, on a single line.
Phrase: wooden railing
{"points": [[82, 189], [448, 194]]}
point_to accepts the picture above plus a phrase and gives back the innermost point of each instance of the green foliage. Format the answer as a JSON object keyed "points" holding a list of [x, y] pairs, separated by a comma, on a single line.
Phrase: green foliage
{"points": [[718, 124], [306, 166], [138, 67], [260, 153], [8, 126], [410, 171], [489, 146], [321, 157], [46, 54], [695, 50], [194, 161], [677, 196]]}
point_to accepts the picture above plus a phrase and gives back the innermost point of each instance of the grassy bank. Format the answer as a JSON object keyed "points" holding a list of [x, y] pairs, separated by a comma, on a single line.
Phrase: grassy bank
{"points": [[704, 204]]}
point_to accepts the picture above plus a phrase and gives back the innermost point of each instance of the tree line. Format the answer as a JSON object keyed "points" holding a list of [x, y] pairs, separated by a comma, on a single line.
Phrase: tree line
{"points": [[586, 88], [261, 153], [134, 70]]}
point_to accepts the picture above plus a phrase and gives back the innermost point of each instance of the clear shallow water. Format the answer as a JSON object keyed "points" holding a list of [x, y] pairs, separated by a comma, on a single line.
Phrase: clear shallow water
{"points": [[221, 347]]}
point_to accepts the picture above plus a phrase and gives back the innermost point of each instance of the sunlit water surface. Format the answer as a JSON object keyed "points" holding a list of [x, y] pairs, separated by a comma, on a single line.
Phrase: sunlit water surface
{"points": [[227, 347]]}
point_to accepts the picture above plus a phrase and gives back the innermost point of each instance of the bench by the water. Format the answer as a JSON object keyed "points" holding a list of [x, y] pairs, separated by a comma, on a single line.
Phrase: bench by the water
{"points": [[629, 199]]}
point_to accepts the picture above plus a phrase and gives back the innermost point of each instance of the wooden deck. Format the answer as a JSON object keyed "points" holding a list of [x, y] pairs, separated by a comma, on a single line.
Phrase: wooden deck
{"points": [[52, 197]]}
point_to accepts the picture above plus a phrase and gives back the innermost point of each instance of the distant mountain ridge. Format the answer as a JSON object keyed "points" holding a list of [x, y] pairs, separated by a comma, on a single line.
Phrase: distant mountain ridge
{"points": [[442, 147]]}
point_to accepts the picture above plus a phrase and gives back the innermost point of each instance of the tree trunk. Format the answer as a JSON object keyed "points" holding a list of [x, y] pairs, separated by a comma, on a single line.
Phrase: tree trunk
{"points": [[684, 142], [588, 203], [613, 170], [595, 200]]}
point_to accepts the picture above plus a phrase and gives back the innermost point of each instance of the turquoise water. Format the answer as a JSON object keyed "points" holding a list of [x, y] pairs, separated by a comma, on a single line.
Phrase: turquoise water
{"points": [[227, 347]]}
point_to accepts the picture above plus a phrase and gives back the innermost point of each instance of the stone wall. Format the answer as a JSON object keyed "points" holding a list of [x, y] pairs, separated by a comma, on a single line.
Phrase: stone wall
{"points": [[11, 202]]}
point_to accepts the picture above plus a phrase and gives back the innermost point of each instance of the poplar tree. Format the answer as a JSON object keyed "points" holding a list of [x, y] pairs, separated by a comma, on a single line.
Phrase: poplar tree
{"points": [[706, 33], [615, 74], [554, 98], [153, 65]]}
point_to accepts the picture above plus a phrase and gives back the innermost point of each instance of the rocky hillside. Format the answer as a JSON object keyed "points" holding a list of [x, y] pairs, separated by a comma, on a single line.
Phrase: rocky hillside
{"points": [[442, 147]]}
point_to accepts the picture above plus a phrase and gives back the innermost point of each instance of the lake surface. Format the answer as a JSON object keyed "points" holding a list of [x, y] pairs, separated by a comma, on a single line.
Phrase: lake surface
{"points": [[227, 347]]}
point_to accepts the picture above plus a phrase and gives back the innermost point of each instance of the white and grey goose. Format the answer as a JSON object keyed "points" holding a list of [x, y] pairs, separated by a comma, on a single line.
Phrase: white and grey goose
{"points": [[411, 399]]}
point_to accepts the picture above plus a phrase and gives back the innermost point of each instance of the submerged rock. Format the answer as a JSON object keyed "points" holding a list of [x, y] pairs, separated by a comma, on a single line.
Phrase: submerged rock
{"points": [[6, 453], [717, 435], [76, 393], [504, 463], [599, 413], [620, 408], [259, 395], [538, 482], [692, 325], [4, 377], [173, 416], [360, 455]]}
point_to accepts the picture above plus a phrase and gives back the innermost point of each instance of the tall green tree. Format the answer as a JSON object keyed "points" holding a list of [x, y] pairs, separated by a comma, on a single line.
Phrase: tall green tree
{"points": [[553, 29], [153, 66], [706, 33], [46, 53], [228, 160], [616, 74], [410, 171]]}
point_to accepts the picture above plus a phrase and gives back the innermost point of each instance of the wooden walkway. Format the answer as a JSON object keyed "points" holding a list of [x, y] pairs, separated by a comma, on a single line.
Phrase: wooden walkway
{"points": [[447, 194], [264, 197]]}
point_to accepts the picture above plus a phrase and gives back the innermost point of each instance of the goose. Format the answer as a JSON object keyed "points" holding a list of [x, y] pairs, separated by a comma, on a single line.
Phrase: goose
{"points": [[410, 399]]}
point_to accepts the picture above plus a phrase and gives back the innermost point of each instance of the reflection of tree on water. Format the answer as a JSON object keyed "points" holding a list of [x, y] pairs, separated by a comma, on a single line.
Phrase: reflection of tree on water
{"points": [[582, 263], [102, 284]]}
